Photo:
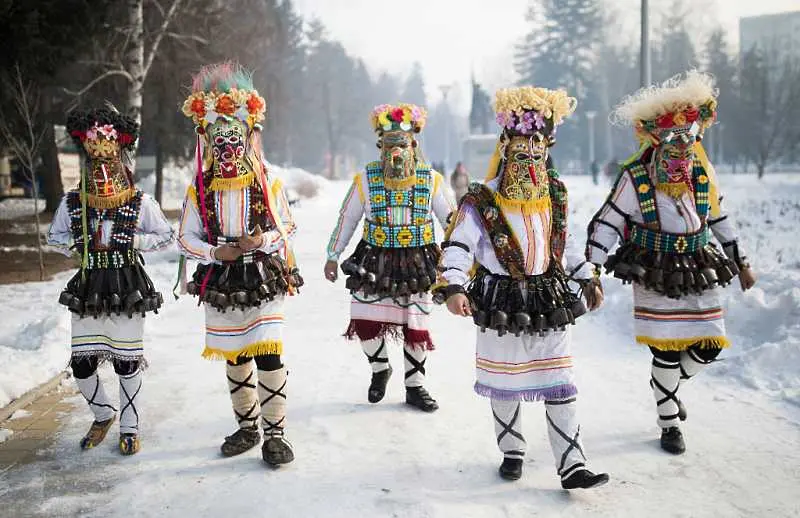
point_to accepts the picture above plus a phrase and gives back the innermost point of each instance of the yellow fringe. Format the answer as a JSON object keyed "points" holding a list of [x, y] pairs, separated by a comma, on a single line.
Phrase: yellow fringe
{"points": [[399, 185], [675, 190], [277, 185], [527, 207], [254, 349], [437, 181], [494, 163], [191, 193], [233, 184], [357, 181], [681, 344], [110, 202]]}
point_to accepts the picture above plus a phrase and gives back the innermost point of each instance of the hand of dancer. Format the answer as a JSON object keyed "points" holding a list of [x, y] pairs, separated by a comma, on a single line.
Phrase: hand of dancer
{"points": [[593, 293], [331, 270], [251, 242], [226, 253], [747, 278], [458, 304]]}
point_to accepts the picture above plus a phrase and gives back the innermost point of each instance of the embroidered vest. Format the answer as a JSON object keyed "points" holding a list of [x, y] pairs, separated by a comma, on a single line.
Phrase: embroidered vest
{"points": [[258, 210], [380, 231], [506, 246], [649, 235], [119, 252]]}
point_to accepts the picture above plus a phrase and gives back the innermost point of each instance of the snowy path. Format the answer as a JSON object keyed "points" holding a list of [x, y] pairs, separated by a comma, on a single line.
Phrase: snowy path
{"points": [[355, 459]]}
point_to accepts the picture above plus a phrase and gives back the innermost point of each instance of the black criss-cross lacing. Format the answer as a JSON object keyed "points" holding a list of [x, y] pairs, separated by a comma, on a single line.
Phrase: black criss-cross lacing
{"points": [[508, 429], [375, 357], [271, 428], [91, 400], [130, 399], [249, 416], [572, 443], [668, 394], [695, 358], [416, 366]]}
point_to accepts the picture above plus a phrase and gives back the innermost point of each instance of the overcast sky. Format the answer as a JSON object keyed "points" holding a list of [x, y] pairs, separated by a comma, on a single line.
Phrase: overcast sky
{"points": [[450, 38]]}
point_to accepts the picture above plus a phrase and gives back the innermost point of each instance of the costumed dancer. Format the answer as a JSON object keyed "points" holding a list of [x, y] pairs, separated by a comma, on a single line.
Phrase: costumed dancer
{"points": [[664, 208], [507, 261], [394, 265], [108, 222], [236, 223]]}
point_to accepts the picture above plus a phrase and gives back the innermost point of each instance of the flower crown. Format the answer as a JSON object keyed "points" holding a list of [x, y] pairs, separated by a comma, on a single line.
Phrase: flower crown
{"points": [[527, 110], [205, 108], [404, 117], [689, 119], [683, 104], [104, 124]]}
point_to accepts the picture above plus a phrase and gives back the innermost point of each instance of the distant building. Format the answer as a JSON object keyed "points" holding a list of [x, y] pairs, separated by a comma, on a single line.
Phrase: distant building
{"points": [[775, 35]]}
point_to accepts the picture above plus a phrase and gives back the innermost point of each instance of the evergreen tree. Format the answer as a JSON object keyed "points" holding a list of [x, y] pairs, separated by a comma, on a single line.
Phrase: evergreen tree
{"points": [[414, 91]]}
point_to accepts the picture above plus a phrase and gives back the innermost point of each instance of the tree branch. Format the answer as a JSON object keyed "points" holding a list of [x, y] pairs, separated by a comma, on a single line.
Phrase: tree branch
{"points": [[159, 35], [107, 73]]}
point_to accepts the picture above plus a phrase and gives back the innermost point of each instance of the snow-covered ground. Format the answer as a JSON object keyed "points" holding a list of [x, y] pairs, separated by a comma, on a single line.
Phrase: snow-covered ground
{"points": [[357, 459]]}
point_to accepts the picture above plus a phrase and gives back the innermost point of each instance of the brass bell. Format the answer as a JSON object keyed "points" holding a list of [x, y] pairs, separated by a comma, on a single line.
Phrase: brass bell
{"points": [[76, 304], [191, 288], [540, 324], [65, 298], [239, 298], [725, 275], [481, 319], [637, 273], [578, 308], [413, 285], [558, 318], [221, 300], [710, 275]]}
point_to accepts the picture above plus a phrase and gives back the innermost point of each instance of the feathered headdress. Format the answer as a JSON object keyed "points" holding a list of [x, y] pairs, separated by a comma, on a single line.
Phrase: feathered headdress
{"points": [[224, 90]]}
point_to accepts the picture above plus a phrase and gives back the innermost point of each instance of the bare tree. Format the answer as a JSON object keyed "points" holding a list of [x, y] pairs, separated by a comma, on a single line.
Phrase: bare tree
{"points": [[130, 59], [19, 131]]}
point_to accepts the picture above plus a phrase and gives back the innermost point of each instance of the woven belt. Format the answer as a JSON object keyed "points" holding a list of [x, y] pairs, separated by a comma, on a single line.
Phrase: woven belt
{"points": [[670, 243], [398, 236], [111, 259]]}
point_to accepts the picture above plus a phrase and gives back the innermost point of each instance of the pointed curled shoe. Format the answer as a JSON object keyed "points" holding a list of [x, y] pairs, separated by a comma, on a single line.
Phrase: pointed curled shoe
{"points": [[129, 444], [240, 441], [377, 387], [672, 440], [584, 479], [276, 450], [97, 432], [510, 469], [418, 397]]}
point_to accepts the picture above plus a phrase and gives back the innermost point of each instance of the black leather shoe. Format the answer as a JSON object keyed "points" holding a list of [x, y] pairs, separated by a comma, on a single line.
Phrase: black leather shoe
{"points": [[418, 397], [672, 440], [510, 469], [276, 450], [584, 479], [377, 387]]}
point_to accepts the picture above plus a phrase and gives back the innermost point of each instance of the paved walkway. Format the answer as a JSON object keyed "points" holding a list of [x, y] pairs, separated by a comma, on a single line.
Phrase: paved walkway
{"points": [[36, 432]]}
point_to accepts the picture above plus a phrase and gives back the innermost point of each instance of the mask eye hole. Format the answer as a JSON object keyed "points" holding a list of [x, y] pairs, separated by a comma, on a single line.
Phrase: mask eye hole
{"points": [[233, 139], [537, 157], [521, 156], [219, 140]]}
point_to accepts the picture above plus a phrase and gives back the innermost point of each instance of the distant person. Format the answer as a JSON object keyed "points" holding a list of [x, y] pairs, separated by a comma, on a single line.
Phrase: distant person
{"points": [[109, 222], [595, 171], [612, 169], [459, 181]]}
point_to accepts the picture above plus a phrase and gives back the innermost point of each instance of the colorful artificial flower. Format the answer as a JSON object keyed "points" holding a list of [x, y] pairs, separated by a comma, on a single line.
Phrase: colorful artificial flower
{"points": [[665, 120], [255, 104], [692, 114], [225, 105], [397, 115], [679, 119], [406, 116]]}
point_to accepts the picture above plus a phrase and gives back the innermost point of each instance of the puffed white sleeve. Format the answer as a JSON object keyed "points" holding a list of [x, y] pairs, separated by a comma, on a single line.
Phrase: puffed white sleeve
{"points": [[440, 203], [273, 240], [59, 235], [349, 217], [191, 234], [723, 226], [607, 227], [153, 231], [458, 251]]}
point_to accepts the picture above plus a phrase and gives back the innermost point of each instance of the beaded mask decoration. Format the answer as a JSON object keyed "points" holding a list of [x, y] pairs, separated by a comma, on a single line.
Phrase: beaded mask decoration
{"points": [[106, 138], [671, 118], [227, 112], [396, 126], [528, 117]]}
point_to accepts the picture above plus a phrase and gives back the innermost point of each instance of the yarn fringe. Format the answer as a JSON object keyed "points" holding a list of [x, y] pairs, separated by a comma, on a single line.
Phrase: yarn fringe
{"points": [[402, 184], [255, 349], [526, 207], [369, 330], [105, 356], [681, 344], [233, 184], [110, 202], [674, 190], [544, 394]]}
